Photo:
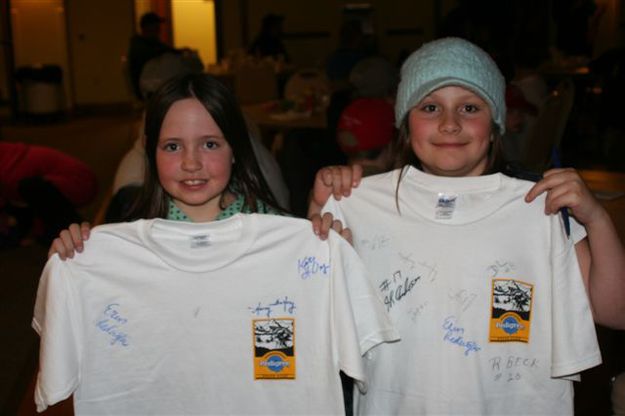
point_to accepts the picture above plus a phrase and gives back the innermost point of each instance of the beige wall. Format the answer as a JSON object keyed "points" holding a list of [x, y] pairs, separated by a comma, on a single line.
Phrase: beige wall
{"points": [[193, 28]]}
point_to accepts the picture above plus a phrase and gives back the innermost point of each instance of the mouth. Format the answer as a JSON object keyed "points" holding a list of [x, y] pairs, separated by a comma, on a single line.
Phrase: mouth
{"points": [[194, 182], [450, 145]]}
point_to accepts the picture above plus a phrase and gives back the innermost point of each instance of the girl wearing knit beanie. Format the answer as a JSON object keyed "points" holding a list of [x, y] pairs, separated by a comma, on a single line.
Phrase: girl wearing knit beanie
{"points": [[486, 284]]}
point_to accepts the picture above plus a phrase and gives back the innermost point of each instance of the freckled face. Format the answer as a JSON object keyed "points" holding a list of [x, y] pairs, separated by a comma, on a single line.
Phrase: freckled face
{"points": [[194, 160], [450, 132]]}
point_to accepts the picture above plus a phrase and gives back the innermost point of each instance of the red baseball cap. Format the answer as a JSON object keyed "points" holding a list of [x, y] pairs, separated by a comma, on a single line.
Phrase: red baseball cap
{"points": [[366, 124]]}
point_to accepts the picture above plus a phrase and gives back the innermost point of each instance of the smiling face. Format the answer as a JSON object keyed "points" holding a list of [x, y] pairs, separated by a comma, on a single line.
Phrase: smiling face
{"points": [[450, 132], [193, 159]]}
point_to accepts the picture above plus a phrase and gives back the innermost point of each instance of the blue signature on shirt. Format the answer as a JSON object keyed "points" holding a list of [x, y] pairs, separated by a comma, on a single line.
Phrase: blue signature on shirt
{"points": [[280, 305], [310, 266], [111, 322], [455, 335]]}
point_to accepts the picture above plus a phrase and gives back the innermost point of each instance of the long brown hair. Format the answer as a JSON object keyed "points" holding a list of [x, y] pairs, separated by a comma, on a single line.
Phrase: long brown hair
{"points": [[246, 178]]}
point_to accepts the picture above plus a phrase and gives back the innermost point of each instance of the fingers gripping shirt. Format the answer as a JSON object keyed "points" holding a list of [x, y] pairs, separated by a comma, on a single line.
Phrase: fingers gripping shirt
{"points": [[253, 314], [484, 288]]}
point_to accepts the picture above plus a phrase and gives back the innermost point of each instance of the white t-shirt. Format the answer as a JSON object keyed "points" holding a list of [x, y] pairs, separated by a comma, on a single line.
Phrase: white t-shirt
{"points": [[484, 289], [249, 315]]}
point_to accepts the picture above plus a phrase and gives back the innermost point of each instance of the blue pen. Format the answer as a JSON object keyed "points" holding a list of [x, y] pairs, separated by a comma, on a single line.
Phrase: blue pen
{"points": [[555, 160]]}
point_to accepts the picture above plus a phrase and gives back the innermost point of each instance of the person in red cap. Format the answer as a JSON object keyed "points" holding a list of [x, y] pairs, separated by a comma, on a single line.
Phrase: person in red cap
{"points": [[365, 132]]}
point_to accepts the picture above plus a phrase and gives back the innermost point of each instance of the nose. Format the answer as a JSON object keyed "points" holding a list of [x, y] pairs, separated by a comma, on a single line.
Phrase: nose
{"points": [[191, 161], [449, 123]]}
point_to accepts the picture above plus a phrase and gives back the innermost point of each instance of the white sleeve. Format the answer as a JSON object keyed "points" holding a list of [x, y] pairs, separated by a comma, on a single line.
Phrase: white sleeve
{"points": [[574, 340], [578, 231], [55, 322], [359, 318]]}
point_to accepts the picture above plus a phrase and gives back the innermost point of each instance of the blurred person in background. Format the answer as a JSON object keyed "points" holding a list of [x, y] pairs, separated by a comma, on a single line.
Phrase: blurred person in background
{"points": [[41, 190]]}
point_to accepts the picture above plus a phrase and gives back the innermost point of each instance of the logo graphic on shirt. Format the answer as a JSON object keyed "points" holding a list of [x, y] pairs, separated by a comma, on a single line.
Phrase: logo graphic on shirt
{"points": [[511, 311], [274, 348]]}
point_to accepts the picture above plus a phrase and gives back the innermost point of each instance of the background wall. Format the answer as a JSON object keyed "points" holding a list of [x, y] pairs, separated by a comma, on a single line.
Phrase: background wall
{"points": [[312, 28], [98, 38], [89, 40], [39, 35]]}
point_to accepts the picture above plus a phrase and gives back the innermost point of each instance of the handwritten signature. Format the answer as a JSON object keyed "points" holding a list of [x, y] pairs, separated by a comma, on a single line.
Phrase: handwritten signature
{"points": [[501, 267], [455, 335], [414, 313], [280, 305], [394, 291], [110, 324], [310, 266], [376, 242], [432, 271], [463, 298]]}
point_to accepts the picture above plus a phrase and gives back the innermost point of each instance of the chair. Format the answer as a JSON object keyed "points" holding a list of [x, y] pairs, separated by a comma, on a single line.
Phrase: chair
{"points": [[255, 82], [549, 127]]}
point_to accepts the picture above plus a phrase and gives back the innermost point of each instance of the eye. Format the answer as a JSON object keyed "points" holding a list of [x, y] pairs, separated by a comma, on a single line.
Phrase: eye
{"points": [[470, 108], [428, 108], [171, 147], [211, 144]]}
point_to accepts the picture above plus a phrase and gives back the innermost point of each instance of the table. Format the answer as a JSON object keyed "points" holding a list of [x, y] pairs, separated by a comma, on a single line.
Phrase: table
{"points": [[263, 115]]}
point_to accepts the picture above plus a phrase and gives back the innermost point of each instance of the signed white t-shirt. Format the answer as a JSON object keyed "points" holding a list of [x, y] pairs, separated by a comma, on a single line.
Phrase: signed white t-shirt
{"points": [[253, 314], [484, 289]]}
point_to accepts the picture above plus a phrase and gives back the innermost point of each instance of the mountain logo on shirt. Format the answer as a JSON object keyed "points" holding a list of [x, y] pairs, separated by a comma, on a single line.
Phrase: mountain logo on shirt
{"points": [[511, 310], [274, 348]]}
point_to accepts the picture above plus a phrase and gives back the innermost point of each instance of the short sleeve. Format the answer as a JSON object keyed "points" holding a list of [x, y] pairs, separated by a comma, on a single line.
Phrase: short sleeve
{"points": [[574, 347], [53, 320], [360, 321], [578, 231]]}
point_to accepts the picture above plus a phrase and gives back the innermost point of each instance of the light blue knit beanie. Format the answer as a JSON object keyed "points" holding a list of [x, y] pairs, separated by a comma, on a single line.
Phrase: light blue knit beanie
{"points": [[451, 61]]}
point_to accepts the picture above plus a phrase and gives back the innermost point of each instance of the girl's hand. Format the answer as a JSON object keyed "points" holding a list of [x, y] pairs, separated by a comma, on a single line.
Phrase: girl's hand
{"points": [[323, 224], [333, 180], [70, 240], [565, 188]]}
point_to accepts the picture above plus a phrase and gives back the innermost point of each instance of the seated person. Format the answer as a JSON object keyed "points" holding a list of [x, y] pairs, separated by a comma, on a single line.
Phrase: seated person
{"points": [[365, 134], [374, 77], [268, 42], [520, 117]]}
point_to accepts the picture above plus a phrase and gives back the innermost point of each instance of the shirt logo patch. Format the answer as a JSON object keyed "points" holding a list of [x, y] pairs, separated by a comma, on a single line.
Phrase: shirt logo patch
{"points": [[511, 310], [274, 348]]}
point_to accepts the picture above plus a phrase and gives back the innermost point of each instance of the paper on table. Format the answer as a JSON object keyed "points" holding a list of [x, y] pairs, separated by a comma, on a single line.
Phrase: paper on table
{"points": [[289, 115]]}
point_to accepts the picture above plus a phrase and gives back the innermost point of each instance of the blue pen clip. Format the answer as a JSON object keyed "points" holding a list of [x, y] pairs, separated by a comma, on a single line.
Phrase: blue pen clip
{"points": [[555, 160]]}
